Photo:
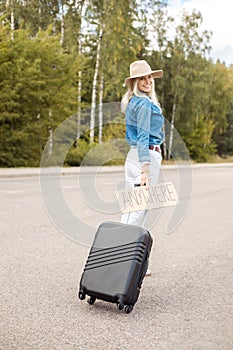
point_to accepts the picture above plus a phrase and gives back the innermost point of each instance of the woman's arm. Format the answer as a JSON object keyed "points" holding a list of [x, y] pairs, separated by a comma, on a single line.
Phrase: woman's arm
{"points": [[143, 133]]}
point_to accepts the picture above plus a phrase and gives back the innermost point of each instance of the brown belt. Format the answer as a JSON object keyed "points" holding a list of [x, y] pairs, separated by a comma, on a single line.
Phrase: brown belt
{"points": [[155, 148]]}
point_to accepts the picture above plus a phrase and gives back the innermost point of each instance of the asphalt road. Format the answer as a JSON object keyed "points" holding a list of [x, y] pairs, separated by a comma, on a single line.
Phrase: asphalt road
{"points": [[187, 303]]}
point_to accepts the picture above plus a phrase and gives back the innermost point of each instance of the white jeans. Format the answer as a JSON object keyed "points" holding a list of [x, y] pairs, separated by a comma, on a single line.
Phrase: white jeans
{"points": [[133, 176]]}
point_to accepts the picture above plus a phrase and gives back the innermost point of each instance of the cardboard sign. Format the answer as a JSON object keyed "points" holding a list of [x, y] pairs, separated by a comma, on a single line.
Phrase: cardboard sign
{"points": [[139, 198]]}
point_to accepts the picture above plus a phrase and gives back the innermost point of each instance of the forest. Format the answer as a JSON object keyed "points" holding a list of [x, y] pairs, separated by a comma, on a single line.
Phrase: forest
{"points": [[62, 58]]}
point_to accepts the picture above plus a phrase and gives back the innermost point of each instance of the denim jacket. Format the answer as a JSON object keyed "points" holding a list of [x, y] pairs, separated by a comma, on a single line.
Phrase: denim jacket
{"points": [[144, 123]]}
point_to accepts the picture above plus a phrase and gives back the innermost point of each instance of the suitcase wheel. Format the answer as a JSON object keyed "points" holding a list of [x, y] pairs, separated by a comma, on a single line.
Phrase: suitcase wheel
{"points": [[120, 306], [91, 300], [81, 295], [128, 308]]}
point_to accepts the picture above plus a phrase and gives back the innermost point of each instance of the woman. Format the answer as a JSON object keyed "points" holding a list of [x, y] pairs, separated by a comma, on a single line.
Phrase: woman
{"points": [[144, 123]]}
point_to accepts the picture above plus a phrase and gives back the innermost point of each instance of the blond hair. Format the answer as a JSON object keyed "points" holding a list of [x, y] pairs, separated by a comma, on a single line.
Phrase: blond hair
{"points": [[133, 91]]}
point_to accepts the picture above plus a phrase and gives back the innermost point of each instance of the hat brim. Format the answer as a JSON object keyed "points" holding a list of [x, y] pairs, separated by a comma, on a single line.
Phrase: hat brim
{"points": [[155, 74]]}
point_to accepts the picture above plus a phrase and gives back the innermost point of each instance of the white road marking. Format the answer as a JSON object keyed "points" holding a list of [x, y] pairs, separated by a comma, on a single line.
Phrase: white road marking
{"points": [[11, 191]]}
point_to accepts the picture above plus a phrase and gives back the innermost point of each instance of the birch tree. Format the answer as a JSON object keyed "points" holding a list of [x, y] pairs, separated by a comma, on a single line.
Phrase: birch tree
{"points": [[8, 8], [160, 22], [118, 41], [11, 4], [188, 42], [94, 85], [101, 107], [62, 23], [82, 8]]}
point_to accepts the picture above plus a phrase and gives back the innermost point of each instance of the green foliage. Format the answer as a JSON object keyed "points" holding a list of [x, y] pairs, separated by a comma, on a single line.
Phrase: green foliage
{"points": [[221, 92], [225, 140], [76, 154], [40, 77], [37, 93], [200, 143], [85, 154]]}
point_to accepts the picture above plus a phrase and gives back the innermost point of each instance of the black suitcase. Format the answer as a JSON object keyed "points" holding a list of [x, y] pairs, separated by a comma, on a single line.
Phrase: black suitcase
{"points": [[116, 265]]}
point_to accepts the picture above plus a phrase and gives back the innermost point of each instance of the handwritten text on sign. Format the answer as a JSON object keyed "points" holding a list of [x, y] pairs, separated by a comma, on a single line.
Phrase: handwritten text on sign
{"points": [[139, 198]]}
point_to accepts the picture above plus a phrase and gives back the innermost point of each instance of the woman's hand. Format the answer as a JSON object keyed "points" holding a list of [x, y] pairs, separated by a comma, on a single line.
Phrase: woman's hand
{"points": [[145, 177]]}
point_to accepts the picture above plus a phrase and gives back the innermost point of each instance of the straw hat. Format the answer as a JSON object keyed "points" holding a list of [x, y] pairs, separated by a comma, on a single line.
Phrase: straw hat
{"points": [[140, 69]]}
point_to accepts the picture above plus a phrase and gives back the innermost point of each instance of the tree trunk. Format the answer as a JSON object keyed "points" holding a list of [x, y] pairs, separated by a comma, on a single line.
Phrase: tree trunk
{"points": [[164, 144], [39, 15], [101, 107], [11, 4], [82, 11], [79, 104], [50, 136], [94, 86], [172, 130], [62, 25], [50, 142]]}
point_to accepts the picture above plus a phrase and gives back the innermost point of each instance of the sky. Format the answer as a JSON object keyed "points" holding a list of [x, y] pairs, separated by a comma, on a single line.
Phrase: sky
{"points": [[218, 18]]}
